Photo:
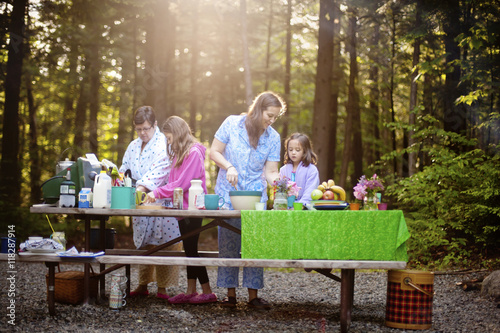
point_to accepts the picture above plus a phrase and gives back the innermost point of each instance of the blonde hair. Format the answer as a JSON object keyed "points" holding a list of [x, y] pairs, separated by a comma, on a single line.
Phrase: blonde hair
{"points": [[182, 138], [304, 141], [260, 104]]}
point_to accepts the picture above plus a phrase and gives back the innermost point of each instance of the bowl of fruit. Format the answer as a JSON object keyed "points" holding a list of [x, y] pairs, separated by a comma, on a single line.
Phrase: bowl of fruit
{"points": [[329, 196]]}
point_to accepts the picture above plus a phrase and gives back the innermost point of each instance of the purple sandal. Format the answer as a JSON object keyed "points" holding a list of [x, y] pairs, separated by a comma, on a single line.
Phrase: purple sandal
{"points": [[203, 299], [162, 296], [181, 298]]}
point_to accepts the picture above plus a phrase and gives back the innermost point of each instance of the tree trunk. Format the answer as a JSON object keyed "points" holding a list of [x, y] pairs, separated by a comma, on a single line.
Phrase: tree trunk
{"points": [[246, 56], [34, 150], [81, 115], [268, 43], [322, 93], [125, 122], [391, 90], [288, 60], [69, 89], [373, 74], [353, 101], [454, 115], [193, 106], [154, 83], [347, 154], [94, 68], [427, 102], [170, 63], [136, 89], [336, 78], [412, 157], [10, 175]]}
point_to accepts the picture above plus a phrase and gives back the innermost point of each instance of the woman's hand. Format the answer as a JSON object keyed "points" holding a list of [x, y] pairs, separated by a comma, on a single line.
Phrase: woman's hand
{"points": [[217, 155], [150, 197], [232, 176], [142, 189], [271, 171]]}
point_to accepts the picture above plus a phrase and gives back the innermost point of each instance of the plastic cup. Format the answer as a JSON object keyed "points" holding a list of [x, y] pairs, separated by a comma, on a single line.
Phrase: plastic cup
{"points": [[382, 206], [260, 206], [354, 206]]}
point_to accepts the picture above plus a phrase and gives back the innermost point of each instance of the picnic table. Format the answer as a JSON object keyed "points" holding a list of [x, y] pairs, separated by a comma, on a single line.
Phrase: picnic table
{"points": [[319, 240]]}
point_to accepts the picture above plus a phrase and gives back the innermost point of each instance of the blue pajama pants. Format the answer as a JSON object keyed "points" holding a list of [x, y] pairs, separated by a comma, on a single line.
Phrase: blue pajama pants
{"points": [[230, 247]]}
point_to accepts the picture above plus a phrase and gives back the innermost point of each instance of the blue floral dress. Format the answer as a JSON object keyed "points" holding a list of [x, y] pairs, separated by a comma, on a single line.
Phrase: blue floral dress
{"points": [[249, 163]]}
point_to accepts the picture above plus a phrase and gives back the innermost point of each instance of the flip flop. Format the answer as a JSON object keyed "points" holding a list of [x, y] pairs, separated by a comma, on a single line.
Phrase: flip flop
{"points": [[228, 302]]}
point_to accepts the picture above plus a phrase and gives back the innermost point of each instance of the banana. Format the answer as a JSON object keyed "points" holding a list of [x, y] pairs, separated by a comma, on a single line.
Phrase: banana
{"points": [[330, 185], [340, 191]]}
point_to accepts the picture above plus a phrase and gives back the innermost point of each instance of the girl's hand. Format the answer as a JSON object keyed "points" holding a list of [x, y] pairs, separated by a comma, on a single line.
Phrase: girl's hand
{"points": [[150, 197], [232, 176]]}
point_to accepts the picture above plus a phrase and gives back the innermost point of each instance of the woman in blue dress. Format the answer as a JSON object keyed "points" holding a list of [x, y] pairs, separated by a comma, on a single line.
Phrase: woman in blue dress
{"points": [[247, 150]]}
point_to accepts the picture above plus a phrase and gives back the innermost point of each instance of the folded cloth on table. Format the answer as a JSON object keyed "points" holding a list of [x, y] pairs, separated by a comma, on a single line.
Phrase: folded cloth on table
{"points": [[41, 244]]}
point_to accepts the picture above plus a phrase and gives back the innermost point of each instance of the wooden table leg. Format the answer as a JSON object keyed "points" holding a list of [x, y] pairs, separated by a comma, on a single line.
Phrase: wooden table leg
{"points": [[86, 267], [51, 287], [102, 267], [127, 274], [346, 298]]}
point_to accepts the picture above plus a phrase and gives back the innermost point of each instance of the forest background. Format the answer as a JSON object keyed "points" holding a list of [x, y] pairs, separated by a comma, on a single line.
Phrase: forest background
{"points": [[408, 90]]}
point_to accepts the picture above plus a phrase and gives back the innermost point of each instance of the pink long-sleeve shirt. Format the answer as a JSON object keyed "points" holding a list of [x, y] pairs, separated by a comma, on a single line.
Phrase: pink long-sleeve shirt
{"points": [[193, 167]]}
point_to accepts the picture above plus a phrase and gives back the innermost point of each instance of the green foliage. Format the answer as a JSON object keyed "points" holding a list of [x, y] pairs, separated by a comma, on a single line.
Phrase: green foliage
{"points": [[452, 205]]}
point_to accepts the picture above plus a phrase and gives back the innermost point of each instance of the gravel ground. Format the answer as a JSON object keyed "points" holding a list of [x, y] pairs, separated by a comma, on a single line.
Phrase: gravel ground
{"points": [[302, 302]]}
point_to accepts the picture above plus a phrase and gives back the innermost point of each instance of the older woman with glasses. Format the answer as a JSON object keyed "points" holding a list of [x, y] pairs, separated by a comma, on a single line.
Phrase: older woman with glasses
{"points": [[146, 158]]}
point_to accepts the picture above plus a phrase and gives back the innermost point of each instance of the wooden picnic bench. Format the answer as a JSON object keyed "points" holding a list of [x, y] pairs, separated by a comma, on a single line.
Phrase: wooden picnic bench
{"points": [[347, 268], [121, 257]]}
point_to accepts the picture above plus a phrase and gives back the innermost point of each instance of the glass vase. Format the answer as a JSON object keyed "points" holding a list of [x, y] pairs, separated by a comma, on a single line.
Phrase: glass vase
{"points": [[280, 201], [370, 202]]}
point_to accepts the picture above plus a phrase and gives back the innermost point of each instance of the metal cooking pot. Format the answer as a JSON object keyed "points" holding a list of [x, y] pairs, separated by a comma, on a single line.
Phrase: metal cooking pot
{"points": [[63, 165]]}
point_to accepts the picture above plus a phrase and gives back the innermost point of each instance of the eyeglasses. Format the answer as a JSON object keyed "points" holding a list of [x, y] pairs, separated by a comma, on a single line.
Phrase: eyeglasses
{"points": [[143, 130]]}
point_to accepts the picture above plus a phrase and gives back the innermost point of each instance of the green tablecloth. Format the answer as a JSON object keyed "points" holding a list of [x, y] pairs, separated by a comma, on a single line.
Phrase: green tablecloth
{"points": [[333, 235]]}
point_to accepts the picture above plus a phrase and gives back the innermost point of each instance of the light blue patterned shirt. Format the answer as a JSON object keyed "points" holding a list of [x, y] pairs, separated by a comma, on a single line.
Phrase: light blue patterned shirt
{"points": [[249, 162]]}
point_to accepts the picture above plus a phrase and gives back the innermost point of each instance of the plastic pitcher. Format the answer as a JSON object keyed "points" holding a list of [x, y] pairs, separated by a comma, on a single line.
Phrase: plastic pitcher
{"points": [[60, 237], [102, 190]]}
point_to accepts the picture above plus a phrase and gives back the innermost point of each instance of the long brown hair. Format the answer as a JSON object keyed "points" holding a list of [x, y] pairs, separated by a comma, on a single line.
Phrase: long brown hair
{"points": [[260, 104], [309, 155], [182, 138]]}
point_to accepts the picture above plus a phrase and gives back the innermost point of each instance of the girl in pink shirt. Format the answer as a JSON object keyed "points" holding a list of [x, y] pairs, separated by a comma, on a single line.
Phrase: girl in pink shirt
{"points": [[188, 163]]}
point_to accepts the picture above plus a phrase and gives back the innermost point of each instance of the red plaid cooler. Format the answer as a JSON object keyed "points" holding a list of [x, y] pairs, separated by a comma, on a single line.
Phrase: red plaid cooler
{"points": [[409, 299]]}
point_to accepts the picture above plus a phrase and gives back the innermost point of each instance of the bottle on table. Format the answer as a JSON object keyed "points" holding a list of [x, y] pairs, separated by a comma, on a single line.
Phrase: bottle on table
{"points": [[67, 191], [195, 190]]}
